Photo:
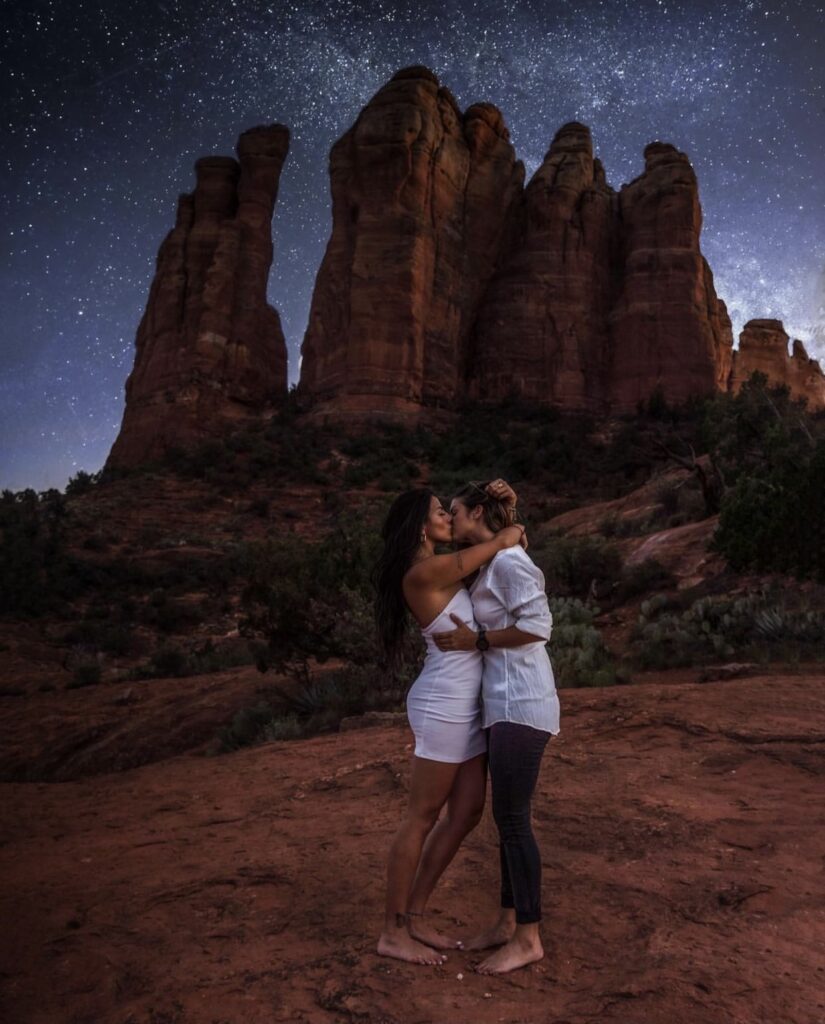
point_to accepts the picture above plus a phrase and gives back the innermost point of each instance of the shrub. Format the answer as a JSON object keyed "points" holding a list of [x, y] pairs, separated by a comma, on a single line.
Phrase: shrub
{"points": [[577, 651], [776, 521], [758, 625], [577, 565], [173, 660], [82, 483], [771, 454], [285, 727], [246, 726], [311, 705], [641, 578], [309, 600], [36, 573]]}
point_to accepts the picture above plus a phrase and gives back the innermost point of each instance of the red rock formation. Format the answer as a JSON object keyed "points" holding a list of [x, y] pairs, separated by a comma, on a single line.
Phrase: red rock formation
{"points": [[444, 280], [209, 349], [605, 298], [668, 329], [763, 346], [542, 328], [420, 200]]}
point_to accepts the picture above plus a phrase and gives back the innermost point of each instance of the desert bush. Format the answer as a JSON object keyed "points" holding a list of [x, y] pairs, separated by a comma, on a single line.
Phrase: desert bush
{"points": [[82, 483], [776, 521], [311, 704], [770, 454], [283, 727], [246, 727], [312, 600], [385, 454], [577, 651], [640, 579], [757, 625], [37, 574], [211, 657], [577, 565], [174, 660]]}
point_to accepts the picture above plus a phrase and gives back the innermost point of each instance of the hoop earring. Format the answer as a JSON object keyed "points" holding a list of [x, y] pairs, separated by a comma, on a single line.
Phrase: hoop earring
{"points": [[423, 536]]}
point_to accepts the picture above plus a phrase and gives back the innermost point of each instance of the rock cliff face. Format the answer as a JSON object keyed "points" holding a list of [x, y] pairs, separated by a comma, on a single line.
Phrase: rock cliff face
{"points": [[209, 349], [421, 199], [541, 331], [763, 346], [445, 279], [668, 329]]}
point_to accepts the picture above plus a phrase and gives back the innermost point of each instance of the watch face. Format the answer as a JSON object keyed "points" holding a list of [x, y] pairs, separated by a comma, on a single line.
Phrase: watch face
{"points": [[482, 643]]}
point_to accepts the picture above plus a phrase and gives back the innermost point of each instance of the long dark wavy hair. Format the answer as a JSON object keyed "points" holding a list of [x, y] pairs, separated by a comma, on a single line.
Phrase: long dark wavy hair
{"points": [[495, 513], [401, 534]]}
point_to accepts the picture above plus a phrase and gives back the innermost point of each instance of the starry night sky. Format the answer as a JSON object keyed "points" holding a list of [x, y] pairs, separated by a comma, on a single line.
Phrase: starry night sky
{"points": [[107, 105]]}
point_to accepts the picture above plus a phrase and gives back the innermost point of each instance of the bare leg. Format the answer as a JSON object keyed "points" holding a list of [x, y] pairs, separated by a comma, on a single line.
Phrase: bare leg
{"points": [[430, 786], [523, 948], [465, 806]]}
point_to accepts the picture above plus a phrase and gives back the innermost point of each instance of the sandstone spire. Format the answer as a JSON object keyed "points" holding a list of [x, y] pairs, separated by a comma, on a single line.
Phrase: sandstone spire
{"points": [[421, 198], [763, 346], [668, 328], [542, 328], [209, 349]]}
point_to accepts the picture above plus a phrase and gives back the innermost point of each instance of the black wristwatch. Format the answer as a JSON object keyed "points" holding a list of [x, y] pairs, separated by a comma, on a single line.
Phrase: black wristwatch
{"points": [[482, 643]]}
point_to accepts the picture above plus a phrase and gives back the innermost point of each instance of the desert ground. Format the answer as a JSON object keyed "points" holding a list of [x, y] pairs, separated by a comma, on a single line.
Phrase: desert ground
{"points": [[681, 828]]}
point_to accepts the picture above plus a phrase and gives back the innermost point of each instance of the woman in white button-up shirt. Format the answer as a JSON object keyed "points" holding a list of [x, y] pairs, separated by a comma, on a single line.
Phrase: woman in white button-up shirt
{"points": [[520, 712]]}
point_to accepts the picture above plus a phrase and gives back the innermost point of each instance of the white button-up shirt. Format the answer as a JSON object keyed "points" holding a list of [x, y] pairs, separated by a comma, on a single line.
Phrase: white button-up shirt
{"points": [[517, 684]]}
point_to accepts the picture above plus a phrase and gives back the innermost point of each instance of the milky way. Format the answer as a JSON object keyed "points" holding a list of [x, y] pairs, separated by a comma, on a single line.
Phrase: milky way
{"points": [[108, 105]]}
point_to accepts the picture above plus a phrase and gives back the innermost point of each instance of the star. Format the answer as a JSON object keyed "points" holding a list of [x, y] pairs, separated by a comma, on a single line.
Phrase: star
{"points": [[110, 105]]}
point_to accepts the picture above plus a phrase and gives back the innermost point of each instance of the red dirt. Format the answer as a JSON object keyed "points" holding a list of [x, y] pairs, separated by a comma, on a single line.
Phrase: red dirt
{"points": [[681, 828]]}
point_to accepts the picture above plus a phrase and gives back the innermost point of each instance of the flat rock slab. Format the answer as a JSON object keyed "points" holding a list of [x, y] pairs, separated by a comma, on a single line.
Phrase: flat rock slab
{"points": [[681, 830]]}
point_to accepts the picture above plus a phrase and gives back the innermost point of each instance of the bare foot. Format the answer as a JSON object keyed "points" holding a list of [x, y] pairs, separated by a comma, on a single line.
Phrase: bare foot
{"points": [[498, 935], [512, 956], [403, 946], [423, 931]]}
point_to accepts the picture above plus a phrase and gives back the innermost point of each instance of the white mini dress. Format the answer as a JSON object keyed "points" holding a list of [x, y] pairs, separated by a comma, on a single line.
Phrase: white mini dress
{"points": [[444, 703]]}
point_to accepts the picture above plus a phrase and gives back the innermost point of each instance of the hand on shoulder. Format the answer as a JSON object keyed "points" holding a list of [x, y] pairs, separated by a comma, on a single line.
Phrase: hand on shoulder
{"points": [[510, 536]]}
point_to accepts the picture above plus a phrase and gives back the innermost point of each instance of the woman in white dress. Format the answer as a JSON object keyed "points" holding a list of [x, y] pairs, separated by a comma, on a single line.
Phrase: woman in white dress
{"points": [[520, 714], [443, 705]]}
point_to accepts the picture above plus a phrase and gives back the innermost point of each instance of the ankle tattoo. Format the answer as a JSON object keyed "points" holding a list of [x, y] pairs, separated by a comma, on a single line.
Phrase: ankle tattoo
{"points": [[401, 920]]}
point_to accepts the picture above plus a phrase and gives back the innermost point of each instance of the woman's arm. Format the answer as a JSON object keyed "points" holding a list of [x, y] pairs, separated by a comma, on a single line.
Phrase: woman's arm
{"points": [[518, 585], [464, 639], [440, 571], [501, 490]]}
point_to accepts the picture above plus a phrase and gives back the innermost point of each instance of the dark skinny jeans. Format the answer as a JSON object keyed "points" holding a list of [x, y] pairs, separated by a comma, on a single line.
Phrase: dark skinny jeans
{"points": [[515, 753]]}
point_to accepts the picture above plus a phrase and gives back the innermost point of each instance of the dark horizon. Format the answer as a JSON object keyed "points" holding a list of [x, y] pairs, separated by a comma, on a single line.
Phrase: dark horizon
{"points": [[109, 111]]}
